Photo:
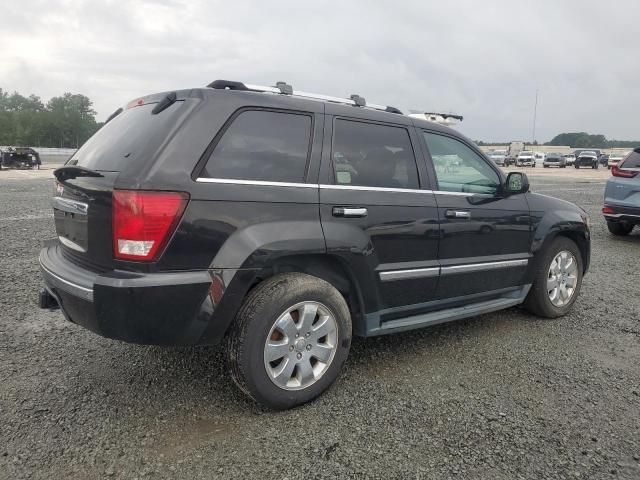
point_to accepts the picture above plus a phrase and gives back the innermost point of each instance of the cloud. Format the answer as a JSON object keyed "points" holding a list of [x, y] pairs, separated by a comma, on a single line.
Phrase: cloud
{"points": [[484, 60]]}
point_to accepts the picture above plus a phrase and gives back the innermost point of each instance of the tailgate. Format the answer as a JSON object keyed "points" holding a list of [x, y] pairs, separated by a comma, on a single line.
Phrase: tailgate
{"points": [[82, 214]]}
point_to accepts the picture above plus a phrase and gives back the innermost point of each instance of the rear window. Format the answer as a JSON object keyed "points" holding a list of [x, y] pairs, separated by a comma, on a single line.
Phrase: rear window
{"points": [[262, 145], [372, 155], [632, 160], [127, 137]]}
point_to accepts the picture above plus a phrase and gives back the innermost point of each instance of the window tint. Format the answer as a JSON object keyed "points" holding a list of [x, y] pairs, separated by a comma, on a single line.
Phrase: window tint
{"points": [[458, 168], [130, 137], [262, 145], [371, 155], [632, 160]]}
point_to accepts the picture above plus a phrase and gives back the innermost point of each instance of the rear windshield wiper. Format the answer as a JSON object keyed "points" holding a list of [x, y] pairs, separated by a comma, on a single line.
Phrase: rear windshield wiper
{"points": [[73, 171]]}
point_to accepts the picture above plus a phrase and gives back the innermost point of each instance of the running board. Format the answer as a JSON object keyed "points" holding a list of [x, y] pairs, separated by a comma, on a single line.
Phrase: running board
{"points": [[513, 298]]}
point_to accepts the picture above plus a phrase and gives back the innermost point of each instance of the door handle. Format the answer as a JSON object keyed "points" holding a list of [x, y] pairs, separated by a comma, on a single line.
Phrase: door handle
{"points": [[463, 214], [349, 212]]}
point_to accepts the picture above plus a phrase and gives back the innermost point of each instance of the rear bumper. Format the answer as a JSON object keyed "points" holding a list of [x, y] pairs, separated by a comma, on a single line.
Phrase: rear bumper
{"points": [[621, 213], [176, 308]]}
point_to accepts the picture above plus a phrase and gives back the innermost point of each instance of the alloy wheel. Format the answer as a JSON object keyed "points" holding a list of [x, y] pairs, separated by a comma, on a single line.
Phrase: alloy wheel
{"points": [[301, 345], [562, 279]]}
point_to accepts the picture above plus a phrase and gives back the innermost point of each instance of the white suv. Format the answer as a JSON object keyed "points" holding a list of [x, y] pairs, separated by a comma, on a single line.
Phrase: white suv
{"points": [[526, 158]]}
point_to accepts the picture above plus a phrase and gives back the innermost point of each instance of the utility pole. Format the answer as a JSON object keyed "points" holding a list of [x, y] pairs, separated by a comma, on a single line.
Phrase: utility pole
{"points": [[535, 112]]}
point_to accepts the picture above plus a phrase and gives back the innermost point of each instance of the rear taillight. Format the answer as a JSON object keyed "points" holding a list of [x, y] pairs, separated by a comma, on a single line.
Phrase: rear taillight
{"points": [[616, 171], [608, 210], [144, 221]]}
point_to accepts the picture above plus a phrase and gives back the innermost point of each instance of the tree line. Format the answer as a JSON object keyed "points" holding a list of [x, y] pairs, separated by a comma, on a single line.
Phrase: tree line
{"points": [[579, 140], [66, 121]]}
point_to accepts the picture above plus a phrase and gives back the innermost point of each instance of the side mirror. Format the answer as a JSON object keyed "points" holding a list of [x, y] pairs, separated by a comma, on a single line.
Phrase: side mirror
{"points": [[517, 182]]}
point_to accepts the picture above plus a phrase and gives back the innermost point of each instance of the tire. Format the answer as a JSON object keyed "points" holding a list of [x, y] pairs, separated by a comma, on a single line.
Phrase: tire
{"points": [[254, 325], [538, 300], [620, 228], [576, 166]]}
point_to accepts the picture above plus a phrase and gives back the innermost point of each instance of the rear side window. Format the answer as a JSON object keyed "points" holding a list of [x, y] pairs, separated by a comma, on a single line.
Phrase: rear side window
{"points": [[262, 145], [632, 160], [133, 135], [372, 155]]}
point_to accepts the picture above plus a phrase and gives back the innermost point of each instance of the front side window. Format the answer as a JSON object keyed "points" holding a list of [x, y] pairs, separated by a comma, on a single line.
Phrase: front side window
{"points": [[458, 168], [262, 145], [372, 155]]}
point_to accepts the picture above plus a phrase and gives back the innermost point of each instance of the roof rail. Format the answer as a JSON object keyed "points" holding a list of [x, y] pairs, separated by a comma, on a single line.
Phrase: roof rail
{"points": [[283, 88]]}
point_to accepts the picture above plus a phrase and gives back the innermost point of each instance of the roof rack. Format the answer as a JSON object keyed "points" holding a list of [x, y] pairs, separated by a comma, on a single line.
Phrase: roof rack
{"points": [[282, 88]]}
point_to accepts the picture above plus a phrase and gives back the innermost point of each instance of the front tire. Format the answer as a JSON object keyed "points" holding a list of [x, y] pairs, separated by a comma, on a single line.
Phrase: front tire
{"points": [[557, 280], [619, 229], [289, 340]]}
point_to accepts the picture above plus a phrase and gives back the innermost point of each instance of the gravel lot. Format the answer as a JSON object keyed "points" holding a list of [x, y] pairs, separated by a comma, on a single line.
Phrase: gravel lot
{"points": [[501, 396]]}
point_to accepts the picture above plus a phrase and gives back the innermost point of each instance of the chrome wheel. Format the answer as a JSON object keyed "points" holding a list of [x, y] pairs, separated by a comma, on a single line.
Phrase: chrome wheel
{"points": [[301, 345], [562, 278]]}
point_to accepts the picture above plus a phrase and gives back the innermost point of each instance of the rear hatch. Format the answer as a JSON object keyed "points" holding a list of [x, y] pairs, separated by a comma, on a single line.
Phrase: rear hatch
{"points": [[125, 145]]}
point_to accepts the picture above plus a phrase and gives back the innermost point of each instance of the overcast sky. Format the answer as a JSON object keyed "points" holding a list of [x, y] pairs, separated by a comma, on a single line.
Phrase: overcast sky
{"points": [[482, 59]]}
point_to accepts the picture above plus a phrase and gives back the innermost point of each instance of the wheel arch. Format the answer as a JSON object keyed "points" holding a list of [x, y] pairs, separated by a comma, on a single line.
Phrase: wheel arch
{"points": [[329, 268]]}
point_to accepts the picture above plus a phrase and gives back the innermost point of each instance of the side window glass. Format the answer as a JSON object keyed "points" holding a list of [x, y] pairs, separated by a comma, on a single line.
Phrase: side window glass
{"points": [[371, 155], [458, 168], [262, 145]]}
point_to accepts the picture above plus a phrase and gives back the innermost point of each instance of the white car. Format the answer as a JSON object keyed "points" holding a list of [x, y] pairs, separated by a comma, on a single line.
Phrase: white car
{"points": [[498, 157], [570, 158], [614, 159], [540, 156], [526, 158]]}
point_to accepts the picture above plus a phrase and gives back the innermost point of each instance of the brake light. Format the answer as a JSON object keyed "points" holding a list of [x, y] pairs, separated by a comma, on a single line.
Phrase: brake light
{"points": [[135, 103], [608, 210], [143, 222], [616, 171]]}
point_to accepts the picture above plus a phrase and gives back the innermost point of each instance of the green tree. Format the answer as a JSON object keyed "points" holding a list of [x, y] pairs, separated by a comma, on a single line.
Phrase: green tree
{"points": [[65, 121]]}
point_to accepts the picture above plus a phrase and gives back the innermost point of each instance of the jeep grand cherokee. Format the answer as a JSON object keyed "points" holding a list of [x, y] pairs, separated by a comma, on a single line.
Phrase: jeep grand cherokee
{"points": [[281, 223]]}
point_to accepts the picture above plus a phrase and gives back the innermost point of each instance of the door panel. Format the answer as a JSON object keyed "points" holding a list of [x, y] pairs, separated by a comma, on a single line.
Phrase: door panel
{"points": [[392, 247], [485, 237], [497, 231]]}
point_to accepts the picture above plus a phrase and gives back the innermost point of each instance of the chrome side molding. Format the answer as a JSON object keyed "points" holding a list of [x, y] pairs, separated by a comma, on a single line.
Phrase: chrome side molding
{"points": [[391, 275]]}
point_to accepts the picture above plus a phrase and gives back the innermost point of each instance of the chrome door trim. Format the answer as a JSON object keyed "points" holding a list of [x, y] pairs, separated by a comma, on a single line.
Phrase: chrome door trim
{"points": [[407, 274], [481, 267], [391, 275]]}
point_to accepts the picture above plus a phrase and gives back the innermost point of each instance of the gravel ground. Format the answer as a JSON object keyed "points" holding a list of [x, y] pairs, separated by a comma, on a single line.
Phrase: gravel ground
{"points": [[501, 396]]}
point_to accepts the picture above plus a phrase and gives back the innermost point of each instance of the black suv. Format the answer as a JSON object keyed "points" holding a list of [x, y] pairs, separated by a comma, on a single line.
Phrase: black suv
{"points": [[283, 223]]}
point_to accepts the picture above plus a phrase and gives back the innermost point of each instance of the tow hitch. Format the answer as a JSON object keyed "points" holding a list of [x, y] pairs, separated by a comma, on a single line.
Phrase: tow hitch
{"points": [[46, 300]]}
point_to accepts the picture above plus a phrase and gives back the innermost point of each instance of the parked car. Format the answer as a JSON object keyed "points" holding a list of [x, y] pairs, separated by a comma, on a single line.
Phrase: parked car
{"points": [[20, 157], [554, 160], [621, 207], [614, 159], [526, 158], [540, 156], [498, 156], [587, 158], [603, 159], [570, 158], [282, 225]]}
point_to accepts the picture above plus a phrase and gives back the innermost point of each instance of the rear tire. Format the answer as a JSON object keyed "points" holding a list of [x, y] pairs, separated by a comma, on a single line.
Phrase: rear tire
{"points": [[539, 300], [273, 323], [619, 228]]}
